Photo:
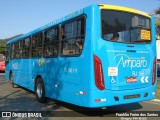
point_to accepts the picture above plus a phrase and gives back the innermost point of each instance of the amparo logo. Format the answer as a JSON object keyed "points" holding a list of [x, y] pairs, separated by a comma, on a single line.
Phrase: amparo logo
{"points": [[126, 61]]}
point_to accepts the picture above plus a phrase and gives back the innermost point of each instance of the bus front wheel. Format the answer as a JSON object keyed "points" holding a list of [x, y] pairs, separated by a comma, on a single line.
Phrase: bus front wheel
{"points": [[40, 91]]}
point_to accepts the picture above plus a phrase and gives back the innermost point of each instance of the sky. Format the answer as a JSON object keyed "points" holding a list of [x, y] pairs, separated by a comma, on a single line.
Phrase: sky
{"points": [[22, 16]]}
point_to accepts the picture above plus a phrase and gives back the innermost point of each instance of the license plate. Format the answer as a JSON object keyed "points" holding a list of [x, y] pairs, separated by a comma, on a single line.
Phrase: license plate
{"points": [[131, 79], [132, 96]]}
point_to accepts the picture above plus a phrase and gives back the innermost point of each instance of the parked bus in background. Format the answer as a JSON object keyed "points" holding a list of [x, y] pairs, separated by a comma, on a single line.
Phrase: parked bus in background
{"points": [[101, 55], [2, 62]]}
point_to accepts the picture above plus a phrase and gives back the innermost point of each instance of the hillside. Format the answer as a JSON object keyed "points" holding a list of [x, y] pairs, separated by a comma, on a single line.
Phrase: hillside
{"points": [[4, 41]]}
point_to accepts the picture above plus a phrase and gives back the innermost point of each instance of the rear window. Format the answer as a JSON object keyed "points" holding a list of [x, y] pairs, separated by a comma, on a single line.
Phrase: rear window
{"points": [[125, 27]]}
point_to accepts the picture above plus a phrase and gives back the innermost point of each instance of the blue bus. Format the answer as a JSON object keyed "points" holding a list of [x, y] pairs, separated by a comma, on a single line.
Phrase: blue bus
{"points": [[101, 55]]}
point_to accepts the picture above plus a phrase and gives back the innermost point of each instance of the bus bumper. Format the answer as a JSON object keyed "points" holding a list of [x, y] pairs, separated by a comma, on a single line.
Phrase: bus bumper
{"points": [[106, 98]]}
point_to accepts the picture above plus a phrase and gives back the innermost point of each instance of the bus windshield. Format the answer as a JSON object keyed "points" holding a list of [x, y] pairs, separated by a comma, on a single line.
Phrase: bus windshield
{"points": [[125, 27]]}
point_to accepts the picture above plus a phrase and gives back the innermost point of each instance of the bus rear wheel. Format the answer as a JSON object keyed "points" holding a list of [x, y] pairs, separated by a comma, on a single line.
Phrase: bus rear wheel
{"points": [[40, 91], [11, 78]]}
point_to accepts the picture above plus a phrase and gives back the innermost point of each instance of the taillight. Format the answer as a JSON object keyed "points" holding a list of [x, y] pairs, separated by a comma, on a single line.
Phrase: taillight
{"points": [[154, 72], [98, 72]]}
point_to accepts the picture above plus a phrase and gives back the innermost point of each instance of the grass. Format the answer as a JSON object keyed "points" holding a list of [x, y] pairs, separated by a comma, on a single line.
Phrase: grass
{"points": [[158, 90]]}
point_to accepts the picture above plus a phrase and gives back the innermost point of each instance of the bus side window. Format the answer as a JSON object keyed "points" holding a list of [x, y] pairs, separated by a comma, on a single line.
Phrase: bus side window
{"points": [[72, 35], [20, 48], [17, 55], [12, 51], [37, 45], [62, 33], [26, 47], [51, 42], [7, 52]]}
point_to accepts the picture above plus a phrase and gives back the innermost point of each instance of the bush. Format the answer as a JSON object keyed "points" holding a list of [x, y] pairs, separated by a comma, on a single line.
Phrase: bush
{"points": [[2, 48]]}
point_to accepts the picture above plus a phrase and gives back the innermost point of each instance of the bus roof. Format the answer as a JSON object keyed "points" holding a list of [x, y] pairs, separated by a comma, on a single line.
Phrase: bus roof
{"points": [[125, 9], [77, 13]]}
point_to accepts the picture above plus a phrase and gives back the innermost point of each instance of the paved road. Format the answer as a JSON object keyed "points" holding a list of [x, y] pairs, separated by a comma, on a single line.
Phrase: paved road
{"points": [[19, 99]]}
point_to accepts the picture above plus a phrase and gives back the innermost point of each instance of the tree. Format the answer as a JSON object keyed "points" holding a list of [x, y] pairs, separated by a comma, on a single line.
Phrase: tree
{"points": [[4, 41], [157, 20], [157, 11]]}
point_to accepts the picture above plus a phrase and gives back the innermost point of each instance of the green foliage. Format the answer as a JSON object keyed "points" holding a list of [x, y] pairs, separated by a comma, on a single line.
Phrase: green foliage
{"points": [[2, 49], [4, 41], [158, 89], [158, 26], [157, 19], [157, 11], [157, 22]]}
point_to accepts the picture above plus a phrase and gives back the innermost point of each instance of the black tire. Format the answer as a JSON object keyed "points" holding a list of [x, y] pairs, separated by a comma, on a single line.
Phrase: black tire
{"points": [[40, 91], [11, 78]]}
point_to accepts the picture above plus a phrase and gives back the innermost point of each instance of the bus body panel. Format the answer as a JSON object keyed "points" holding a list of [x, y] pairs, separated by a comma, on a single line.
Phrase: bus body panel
{"points": [[140, 64], [73, 75], [97, 98], [72, 79], [126, 64]]}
